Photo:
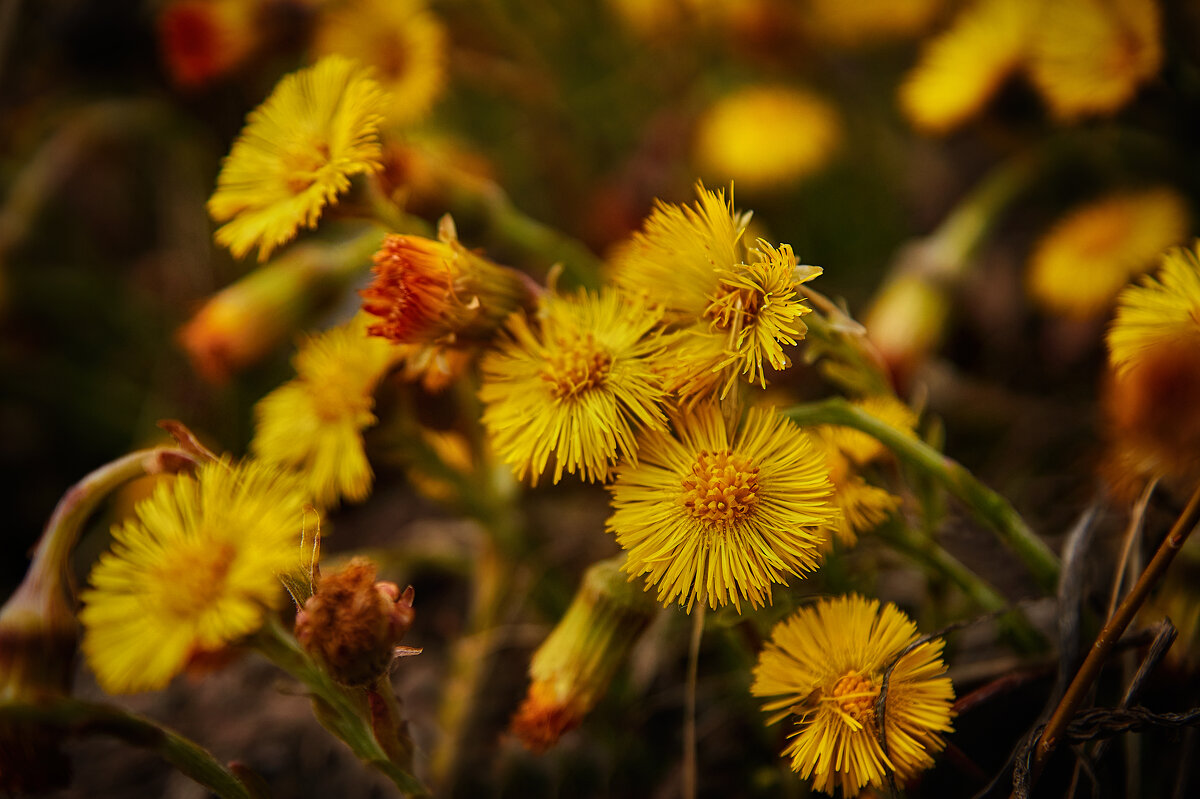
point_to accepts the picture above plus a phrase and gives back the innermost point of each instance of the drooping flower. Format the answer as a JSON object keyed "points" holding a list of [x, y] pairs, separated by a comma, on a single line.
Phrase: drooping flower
{"points": [[765, 137], [825, 666], [573, 667], [963, 66], [1079, 267], [574, 383], [1090, 56], [403, 43], [722, 512], [438, 292], [195, 571], [297, 153], [314, 423]]}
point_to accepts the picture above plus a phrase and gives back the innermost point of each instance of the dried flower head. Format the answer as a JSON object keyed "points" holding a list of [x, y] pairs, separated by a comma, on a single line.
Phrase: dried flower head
{"points": [[297, 153], [722, 512], [574, 383], [195, 571], [825, 666], [352, 623]]}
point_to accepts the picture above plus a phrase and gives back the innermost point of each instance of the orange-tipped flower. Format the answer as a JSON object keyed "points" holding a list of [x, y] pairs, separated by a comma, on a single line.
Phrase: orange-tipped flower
{"points": [[572, 668], [352, 623], [203, 40], [438, 292]]}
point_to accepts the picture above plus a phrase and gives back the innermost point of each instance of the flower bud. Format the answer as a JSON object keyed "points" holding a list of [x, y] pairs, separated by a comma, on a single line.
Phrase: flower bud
{"points": [[572, 668], [352, 624]]}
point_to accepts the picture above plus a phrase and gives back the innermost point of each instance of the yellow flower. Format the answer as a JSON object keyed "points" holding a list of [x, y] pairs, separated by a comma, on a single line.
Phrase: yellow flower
{"points": [[736, 308], [722, 513], [401, 41], [825, 665], [314, 423], [1164, 308], [870, 20], [1152, 400], [574, 384], [1079, 267], [429, 292], [764, 137], [682, 247], [297, 153], [962, 67], [1089, 56], [862, 448], [194, 572], [861, 506]]}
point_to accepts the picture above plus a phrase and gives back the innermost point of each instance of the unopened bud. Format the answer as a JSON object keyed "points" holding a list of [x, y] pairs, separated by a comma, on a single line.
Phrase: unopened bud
{"points": [[571, 670]]}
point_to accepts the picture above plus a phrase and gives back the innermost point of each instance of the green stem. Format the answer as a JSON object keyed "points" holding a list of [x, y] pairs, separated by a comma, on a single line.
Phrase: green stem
{"points": [[343, 711], [68, 715], [986, 505], [935, 558]]}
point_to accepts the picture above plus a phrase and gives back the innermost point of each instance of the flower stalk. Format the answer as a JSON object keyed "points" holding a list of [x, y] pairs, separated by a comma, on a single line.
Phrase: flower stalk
{"points": [[986, 505]]}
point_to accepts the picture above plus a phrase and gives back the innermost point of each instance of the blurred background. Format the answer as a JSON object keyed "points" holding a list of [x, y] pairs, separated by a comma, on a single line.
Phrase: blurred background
{"points": [[926, 154]]}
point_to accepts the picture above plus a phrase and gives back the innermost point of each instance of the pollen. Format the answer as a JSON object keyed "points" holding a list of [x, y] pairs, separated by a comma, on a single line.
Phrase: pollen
{"points": [[856, 695], [722, 488], [575, 367], [731, 305]]}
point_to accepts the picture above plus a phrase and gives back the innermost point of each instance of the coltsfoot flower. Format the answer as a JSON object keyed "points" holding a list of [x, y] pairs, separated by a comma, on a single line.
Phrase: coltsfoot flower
{"points": [[297, 153], [438, 292], [196, 570], [825, 665], [574, 383], [721, 511], [313, 424]]}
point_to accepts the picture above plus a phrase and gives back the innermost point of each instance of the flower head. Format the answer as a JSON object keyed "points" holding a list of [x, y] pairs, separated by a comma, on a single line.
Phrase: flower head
{"points": [[203, 40], [428, 292], [314, 423], [1162, 309], [720, 512], [572, 668], [825, 665], [735, 308], [401, 41], [764, 137], [1078, 268], [195, 571], [1090, 56], [575, 383], [962, 67], [297, 153], [352, 623], [861, 506]]}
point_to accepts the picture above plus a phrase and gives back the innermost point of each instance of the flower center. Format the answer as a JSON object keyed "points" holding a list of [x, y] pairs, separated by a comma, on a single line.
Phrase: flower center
{"points": [[721, 489], [340, 397], [730, 305], [194, 580], [856, 695], [302, 163], [573, 367]]}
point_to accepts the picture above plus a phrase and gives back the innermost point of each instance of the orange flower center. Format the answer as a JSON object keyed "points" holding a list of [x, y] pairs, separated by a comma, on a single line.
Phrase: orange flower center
{"points": [[573, 367], [731, 305], [722, 488], [856, 695]]}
